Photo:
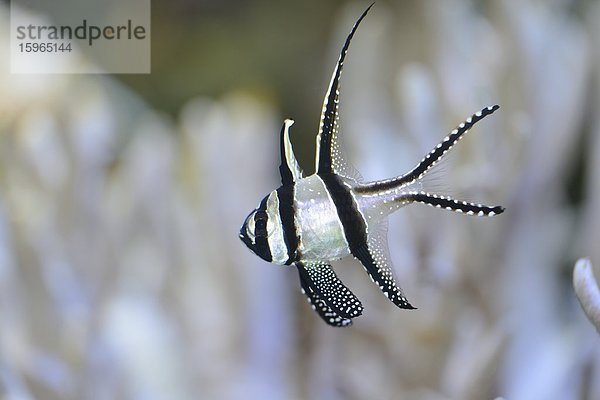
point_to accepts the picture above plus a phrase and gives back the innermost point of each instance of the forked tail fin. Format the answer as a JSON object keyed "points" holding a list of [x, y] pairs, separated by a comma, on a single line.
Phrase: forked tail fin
{"points": [[380, 198]]}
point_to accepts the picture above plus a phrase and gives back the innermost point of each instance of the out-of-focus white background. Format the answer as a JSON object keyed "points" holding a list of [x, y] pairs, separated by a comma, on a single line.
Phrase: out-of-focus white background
{"points": [[121, 197]]}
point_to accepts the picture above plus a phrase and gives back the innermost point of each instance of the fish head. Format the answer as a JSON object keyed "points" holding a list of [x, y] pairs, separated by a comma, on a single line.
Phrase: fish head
{"points": [[259, 230]]}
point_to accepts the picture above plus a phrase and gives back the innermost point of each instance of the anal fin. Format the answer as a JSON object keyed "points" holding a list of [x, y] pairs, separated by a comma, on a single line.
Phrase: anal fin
{"points": [[375, 258]]}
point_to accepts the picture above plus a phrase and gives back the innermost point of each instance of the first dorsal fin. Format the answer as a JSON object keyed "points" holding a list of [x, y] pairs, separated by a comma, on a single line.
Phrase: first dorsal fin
{"points": [[329, 158], [289, 169]]}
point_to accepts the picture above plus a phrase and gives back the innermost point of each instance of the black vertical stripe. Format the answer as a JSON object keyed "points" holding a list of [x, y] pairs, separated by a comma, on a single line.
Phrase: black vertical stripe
{"points": [[355, 228], [286, 213], [262, 248], [284, 169]]}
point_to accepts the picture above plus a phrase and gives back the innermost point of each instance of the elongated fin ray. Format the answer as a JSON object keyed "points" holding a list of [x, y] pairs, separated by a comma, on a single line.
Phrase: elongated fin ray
{"points": [[318, 304], [329, 156], [289, 169], [432, 158], [375, 258], [451, 204], [323, 280]]}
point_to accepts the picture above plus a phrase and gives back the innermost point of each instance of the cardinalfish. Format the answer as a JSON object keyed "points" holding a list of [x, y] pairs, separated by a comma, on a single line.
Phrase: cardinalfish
{"points": [[310, 221]]}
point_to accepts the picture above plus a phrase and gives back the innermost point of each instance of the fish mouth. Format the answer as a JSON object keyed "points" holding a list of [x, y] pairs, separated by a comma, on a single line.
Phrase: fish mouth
{"points": [[260, 247], [244, 238]]}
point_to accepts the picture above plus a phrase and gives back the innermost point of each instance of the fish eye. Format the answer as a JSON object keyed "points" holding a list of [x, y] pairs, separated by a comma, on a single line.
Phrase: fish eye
{"points": [[260, 224]]}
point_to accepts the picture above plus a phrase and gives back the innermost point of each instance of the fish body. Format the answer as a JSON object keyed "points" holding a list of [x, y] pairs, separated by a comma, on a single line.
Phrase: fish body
{"points": [[310, 221], [319, 228]]}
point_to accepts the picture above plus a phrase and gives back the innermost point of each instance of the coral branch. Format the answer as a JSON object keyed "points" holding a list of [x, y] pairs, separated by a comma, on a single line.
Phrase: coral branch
{"points": [[586, 289]]}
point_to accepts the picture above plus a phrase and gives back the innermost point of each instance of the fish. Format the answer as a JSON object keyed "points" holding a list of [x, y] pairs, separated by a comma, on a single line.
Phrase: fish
{"points": [[312, 220]]}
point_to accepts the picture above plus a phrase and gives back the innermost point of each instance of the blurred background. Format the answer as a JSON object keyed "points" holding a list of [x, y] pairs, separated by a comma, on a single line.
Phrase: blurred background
{"points": [[121, 198]]}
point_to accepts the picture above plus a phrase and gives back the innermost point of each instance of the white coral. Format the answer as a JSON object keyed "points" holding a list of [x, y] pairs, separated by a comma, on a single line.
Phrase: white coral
{"points": [[586, 289]]}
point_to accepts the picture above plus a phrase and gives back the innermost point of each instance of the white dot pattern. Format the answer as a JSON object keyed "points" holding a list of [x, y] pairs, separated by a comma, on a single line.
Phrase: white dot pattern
{"points": [[325, 282], [435, 155], [329, 297], [324, 311], [376, 262], [333, 160], [318, 304], [451, 204]]}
